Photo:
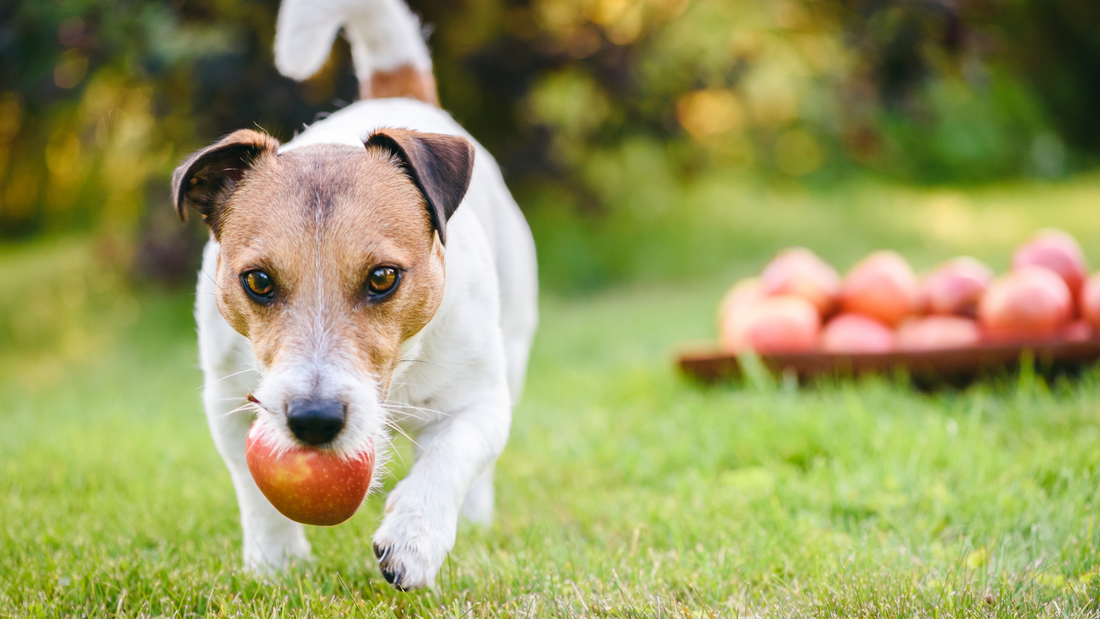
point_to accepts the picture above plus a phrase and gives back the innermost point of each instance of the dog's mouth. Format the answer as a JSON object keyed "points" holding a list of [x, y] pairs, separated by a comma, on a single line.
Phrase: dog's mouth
{"points": [[305, 423]]}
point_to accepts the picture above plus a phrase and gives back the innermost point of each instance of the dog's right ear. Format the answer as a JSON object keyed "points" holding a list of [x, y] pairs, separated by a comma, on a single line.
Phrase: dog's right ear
{"points": [[207, 178]]}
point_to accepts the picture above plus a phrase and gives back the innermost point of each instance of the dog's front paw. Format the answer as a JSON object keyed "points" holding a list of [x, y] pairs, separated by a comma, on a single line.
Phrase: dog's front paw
{"points": [[412, 543]]}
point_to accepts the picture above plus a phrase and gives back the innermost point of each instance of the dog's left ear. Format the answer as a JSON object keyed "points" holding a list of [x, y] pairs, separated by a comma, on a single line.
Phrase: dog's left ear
{"points": [[439, 165]]}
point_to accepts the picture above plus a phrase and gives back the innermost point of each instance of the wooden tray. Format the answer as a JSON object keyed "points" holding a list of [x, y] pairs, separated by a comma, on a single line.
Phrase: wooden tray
{"points": [[956, 366]]}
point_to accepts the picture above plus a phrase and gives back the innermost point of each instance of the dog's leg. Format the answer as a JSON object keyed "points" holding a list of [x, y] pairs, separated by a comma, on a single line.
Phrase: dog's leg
{"points": [[478, 505], [270, 539], [421, 519]]}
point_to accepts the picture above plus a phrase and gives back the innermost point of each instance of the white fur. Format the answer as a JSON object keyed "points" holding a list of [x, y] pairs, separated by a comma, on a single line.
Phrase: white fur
{"points": [[458, 401], [383, 34]]}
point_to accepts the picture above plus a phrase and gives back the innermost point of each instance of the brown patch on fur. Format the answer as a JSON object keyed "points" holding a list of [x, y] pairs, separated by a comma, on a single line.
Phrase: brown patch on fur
{"points": [[319, 219], [404, 81]]}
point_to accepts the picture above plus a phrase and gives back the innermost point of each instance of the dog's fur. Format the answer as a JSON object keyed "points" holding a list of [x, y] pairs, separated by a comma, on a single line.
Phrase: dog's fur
{"points": [[384, 182]]}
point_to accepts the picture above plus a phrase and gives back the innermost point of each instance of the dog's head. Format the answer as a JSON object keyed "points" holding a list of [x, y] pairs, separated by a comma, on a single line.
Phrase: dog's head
{"points": [[331, 257]]}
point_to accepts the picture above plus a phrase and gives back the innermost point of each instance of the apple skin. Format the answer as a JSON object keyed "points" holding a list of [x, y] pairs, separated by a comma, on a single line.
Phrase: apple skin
{"points": [[1057, 251], [1077, 331], [1090, 301], [855, 334], [938, 333], [881, 286], [744, 294], [800, 272], [780, 324], [956, 287], [1028, 303], [309, 485]]}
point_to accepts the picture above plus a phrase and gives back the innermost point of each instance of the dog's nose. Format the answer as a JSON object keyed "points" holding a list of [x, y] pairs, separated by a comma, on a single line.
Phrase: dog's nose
{"points": [[316, 422]]}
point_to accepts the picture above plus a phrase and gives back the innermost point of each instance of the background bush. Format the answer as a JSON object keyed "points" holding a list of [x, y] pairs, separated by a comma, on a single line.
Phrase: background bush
{"points": [[614, 120]]}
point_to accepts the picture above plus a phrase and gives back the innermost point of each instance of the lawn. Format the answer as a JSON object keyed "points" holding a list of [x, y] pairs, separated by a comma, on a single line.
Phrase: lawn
{"points": [[625, 490]]}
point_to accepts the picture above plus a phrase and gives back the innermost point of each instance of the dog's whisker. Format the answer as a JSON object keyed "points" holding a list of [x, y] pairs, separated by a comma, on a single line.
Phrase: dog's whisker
{"points": [[228, 376], [417, 413], [419, 408], [436, 365], [400, 412], [398, 429], [248, 407], [214, 281], [402, 419], [390, 449]]}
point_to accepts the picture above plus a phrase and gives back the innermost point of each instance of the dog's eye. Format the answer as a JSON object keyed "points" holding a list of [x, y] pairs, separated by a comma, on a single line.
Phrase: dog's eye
{"points": [[259, 284], [382, 280]]}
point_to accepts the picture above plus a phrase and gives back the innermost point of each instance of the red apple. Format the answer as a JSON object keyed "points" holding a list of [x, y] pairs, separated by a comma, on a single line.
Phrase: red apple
{"points": [[1057, 251], [308, 485], [938, 332], [772, 325], [955, 287], [855, 333], [1077, 331], [800, 272], [1029, 303], [739, 298], [1090, 301], [882, 286]]}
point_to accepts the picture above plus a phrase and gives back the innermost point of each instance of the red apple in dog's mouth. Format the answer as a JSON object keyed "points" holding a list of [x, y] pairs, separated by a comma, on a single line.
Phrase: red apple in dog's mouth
{"points": [[309, 485]]}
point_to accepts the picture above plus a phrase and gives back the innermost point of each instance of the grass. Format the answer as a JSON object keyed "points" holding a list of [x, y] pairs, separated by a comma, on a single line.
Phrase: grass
{"points": [[625, 490]]}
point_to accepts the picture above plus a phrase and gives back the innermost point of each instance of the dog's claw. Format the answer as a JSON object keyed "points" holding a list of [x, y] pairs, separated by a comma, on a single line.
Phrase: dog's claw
{"points": [[393, 577]]}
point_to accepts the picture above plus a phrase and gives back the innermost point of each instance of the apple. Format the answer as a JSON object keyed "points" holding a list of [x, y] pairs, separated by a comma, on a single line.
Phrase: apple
{"points": [[1028, 303], [778, 324], [1077, 331], [800, 272], [955, 287], [1090, 300], [739, 298], [938, 332], [1057, 251], [882, 286], [855, 333], [309, 485]]}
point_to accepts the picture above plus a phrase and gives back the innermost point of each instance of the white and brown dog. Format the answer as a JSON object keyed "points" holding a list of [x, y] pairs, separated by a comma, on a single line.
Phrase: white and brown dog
{"points": [[370, 275]]}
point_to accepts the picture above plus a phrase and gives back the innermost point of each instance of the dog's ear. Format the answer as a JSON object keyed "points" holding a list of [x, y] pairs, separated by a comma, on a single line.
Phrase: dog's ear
{"points": [[439, 165], [207, 178]]}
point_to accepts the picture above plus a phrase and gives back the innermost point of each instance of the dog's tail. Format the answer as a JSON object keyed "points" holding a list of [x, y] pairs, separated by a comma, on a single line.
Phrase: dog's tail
{"points": [[387, 45]]}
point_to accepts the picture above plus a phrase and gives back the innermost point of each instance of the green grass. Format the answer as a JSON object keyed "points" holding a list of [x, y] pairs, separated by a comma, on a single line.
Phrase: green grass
{"points": [[625, 490]]}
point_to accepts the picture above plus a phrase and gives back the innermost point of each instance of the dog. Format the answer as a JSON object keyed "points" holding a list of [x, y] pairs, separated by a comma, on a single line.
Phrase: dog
{"points": [[372, 275]]}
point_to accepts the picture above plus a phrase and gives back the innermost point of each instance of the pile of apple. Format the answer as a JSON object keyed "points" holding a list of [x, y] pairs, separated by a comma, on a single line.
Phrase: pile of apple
{"points": [[801, 304]]}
